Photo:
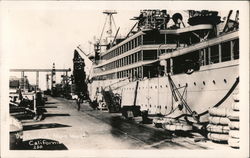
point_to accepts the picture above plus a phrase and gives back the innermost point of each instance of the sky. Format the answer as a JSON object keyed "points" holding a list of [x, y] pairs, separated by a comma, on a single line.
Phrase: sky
{"points": [[36, 34], [35, 37]]}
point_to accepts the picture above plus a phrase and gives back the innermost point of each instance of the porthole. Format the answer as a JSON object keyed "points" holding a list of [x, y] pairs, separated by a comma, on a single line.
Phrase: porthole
{"points": [[151, 87], [166, 85], [186, 84], [195, 83], [150, 106], [179, 85], [204, 83], [155, 86], [213, 81], [225, 80], [161, 86], [166, 107]]}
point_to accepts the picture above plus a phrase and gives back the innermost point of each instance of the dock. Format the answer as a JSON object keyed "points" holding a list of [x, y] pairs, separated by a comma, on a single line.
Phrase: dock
{"points": [[94, 129]]}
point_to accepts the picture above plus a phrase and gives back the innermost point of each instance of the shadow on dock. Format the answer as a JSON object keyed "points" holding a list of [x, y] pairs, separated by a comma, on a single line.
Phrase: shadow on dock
{"points": [[43, 126]]}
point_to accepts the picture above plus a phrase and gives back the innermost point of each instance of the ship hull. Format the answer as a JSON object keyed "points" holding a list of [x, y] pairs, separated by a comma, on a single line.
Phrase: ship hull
{"points": [[201, 90]]}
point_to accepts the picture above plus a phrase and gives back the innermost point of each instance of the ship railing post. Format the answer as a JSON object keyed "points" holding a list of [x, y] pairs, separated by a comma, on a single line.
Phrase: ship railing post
{"points": [[209, 55], [171, 66], [158, 51], [220, 53], [231, 50]]}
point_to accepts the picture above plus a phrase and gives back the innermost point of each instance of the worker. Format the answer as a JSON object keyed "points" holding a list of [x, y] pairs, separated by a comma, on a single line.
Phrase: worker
{"points": [[79, 100]]}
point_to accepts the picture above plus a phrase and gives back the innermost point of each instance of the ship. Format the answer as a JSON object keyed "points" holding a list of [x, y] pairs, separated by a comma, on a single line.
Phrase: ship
{"points": [[167, 67]]}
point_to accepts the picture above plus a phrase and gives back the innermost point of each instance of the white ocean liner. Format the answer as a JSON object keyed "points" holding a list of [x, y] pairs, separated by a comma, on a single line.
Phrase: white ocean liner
{"points": [[171, 70]]}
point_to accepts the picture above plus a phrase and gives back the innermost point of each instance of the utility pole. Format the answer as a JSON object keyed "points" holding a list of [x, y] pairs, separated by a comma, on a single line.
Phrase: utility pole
{"points": [[53, 80]]}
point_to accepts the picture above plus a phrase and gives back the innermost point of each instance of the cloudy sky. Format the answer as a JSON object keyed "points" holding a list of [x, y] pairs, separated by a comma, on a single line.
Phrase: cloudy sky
{"points": [[36, 34]]}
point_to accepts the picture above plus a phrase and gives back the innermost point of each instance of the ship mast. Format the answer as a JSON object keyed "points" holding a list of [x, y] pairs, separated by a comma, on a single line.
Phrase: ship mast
{"points": [[109, 31], [111, 21]]}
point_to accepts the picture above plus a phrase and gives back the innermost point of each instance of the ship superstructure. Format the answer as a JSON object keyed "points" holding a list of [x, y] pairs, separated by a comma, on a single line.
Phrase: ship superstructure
{"points": [[159, 66]]}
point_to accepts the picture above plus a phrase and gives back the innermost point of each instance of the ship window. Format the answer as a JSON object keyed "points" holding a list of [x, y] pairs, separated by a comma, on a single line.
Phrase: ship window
{"points": [[195, 83], [140, 40], [235, 45], [206, 56], [179, 85], [139, 56], [155, 86], [225, 51], [171, 39], [225, 80], [136, 41], [168, 66], [213, 81], [149, 54], [214, 54], [204, 83], [125, 47]]}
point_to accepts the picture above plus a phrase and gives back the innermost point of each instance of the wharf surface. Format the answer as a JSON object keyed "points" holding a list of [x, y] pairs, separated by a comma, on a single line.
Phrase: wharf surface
{"points": [[94, 129]]}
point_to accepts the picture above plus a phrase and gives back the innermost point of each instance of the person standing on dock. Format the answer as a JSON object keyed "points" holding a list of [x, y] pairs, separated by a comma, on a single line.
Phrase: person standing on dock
{"points": [[79, 100]]}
